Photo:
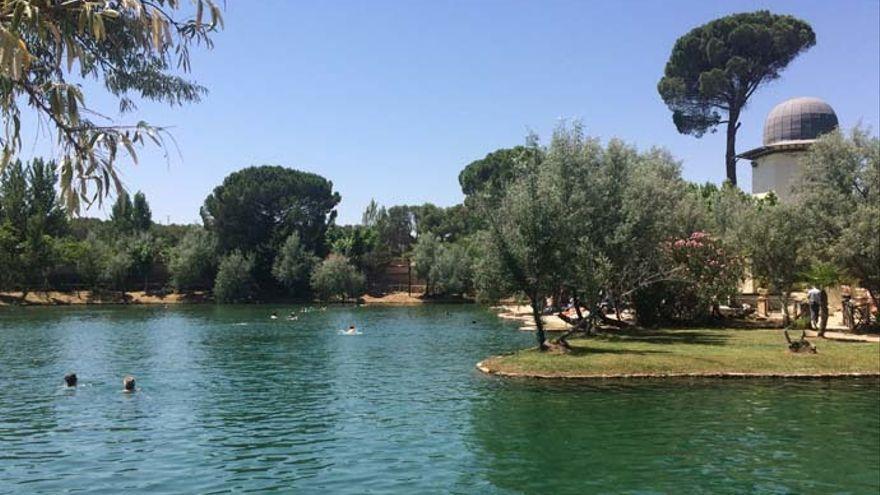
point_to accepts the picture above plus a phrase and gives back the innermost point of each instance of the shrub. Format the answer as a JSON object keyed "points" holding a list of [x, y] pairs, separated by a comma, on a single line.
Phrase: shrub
{"points": [[705, 275], [193, 262], [293, 264], [235, 281], [336, 278]]}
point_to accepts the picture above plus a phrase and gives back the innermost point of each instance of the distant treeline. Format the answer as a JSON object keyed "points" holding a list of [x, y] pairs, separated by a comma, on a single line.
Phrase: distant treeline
{"points": [[574, 220]]}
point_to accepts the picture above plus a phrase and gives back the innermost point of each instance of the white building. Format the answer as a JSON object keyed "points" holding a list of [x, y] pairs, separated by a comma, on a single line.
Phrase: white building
{"points": [[789, 130]]}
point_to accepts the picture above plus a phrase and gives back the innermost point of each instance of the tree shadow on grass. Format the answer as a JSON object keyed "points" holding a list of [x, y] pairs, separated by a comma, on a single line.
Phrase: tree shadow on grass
{"points": [[699, 337], [586, 351]]}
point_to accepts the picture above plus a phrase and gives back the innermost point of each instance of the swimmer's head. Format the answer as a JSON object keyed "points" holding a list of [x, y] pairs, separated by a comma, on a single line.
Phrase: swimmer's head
{"points": [[70, 379], [128, 383]]}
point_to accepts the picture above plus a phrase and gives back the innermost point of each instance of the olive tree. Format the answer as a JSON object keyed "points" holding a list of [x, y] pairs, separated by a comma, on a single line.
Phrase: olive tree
{"points": [[235, 281], [445, 267], [774, 244], [193, 262], [336, 278], [715, 68], [524, 237], [117, 266], [293, 264], [840, 193], [585, 221]]}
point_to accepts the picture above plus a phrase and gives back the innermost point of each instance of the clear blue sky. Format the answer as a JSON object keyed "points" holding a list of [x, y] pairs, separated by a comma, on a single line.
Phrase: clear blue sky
{"points": [[390, 99]]}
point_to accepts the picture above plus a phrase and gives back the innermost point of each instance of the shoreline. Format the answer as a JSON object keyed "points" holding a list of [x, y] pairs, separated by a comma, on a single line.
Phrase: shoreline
{"points": [[87, 298], [141, 298], [692, 353], [484, 368]]}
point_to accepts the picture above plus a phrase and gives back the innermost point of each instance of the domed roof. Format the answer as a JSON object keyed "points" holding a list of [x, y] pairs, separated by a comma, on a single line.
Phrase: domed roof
{"points": [[799, 119]]}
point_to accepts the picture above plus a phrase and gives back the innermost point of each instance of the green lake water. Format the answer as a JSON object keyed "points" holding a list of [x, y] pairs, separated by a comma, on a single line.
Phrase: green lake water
{"points": [[230, 401]]}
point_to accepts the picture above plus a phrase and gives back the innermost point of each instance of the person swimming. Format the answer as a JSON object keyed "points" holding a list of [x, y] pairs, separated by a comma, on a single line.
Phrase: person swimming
{"points": [[292, 316], [352, 330], [274, 315], [128, 384], [70, 379]]}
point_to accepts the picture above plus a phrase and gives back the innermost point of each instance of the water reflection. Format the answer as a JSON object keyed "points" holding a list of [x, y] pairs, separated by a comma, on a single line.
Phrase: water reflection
{"points": [[232, 401], [689, 437]]}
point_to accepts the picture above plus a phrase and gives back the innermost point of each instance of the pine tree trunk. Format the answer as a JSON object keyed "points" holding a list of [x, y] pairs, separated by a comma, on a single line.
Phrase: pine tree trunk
{"points": [[730, 155]]}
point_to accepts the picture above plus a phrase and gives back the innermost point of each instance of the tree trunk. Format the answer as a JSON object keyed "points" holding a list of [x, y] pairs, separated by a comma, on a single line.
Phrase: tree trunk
{"points": [[786, 319], [730, 156], [823, 312], [539, 323]]}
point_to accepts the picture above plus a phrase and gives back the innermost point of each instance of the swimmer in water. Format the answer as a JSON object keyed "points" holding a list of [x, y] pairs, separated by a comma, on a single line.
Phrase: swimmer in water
{"points": [[351, 330], [292, 316], [70, 379], [274, 315], [128, 384]]}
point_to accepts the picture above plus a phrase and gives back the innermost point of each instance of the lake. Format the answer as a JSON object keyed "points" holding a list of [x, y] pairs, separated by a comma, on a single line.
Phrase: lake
{"points": [[230, 401]]}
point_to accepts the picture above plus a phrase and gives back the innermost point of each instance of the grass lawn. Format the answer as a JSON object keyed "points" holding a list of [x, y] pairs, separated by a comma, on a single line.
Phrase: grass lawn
{"points": [[690, 352]]}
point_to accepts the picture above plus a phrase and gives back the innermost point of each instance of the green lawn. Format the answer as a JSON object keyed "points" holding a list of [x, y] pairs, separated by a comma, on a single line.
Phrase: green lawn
{"points": [[691, 351]]}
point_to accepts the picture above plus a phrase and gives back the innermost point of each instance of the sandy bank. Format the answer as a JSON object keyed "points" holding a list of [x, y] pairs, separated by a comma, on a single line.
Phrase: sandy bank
{"points": [[55, 298], [405, 299], [523, 314]]}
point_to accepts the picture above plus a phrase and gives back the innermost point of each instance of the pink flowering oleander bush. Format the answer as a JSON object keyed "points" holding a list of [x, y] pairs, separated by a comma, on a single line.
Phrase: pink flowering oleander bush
{"points": [[704, 275], [706, 264]]}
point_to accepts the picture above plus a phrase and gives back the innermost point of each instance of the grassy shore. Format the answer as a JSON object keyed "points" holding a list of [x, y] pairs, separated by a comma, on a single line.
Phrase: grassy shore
{"points": [[690, 352]]}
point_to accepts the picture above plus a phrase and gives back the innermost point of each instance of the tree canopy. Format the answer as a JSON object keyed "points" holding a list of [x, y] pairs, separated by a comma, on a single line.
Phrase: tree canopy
{"points": [[127, 216], [256, 209], [840, 193], [263, 205], [135, 48], [489, 175], [715, 68], [30, 217]]}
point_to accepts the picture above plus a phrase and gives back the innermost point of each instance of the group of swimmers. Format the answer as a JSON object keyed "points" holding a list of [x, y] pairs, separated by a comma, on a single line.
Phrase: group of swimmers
{"points": [[293, 316], [351, 330], [128, 383]]}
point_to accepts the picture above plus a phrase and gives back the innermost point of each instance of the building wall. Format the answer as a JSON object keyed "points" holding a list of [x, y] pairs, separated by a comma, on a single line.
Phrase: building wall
{"points": [[777, 172]]}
